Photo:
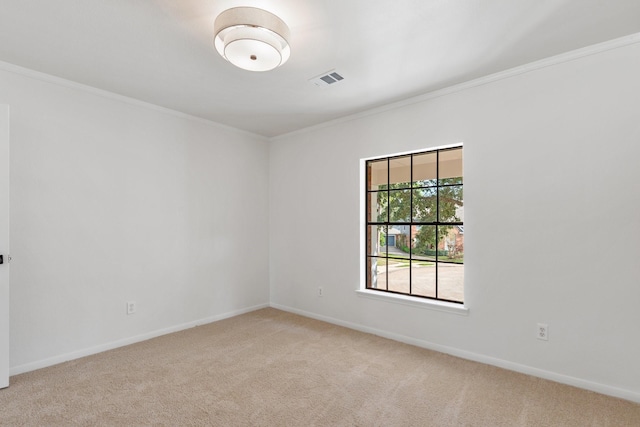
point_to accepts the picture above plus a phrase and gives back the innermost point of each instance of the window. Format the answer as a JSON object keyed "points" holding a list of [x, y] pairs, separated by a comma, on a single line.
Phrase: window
{"points": [[414, 224]]}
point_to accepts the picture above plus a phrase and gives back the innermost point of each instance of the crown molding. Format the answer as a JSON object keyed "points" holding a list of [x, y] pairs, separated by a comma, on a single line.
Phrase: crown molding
{"points": [[48, 78], [501, 75], [537, 65]]}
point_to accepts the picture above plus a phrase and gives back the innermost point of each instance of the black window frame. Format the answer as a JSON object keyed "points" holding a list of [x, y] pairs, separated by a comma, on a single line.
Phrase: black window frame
{"points": [[411, 222]]}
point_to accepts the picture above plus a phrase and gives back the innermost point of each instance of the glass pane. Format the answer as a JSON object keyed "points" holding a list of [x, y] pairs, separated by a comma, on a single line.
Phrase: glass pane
{"points": [[450, 203], [376, 174], [398, 241], [456, 250], [387, 240], [451, 243], [424, 169], [398, 276], [376, 239], [423, 240], [377, 206], [399, 205], [424, 204], [450, 166], [451, 281], [443, 233], [423, 278], [400, 172], [376, 273]]}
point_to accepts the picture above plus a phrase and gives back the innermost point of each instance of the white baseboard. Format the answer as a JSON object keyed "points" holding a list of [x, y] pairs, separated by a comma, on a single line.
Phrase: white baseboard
{"points": [[32, 366], [476, 357]]}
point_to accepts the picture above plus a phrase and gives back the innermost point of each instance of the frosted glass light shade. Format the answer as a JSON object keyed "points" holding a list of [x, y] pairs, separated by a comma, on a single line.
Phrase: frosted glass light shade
{"points": [[252, 39]]}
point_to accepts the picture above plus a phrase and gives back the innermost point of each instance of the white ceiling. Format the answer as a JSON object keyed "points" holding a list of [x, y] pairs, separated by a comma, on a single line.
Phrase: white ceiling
{"points": [[161, 51]]}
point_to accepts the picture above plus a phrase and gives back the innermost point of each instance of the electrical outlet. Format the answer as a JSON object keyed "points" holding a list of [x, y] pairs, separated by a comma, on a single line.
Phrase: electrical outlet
{"points": [[542, 332], [319, 291], [131, 307]]}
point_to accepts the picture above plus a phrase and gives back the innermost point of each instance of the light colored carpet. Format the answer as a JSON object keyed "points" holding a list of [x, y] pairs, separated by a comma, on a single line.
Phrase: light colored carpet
{"points": [[271, 368]]}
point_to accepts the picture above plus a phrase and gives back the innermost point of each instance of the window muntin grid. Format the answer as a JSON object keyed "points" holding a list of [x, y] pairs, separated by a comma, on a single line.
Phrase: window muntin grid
{"points": [[415, 224]]}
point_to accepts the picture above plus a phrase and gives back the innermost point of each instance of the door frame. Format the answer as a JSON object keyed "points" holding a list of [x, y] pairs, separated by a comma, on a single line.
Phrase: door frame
{"points": [[4, 246]]}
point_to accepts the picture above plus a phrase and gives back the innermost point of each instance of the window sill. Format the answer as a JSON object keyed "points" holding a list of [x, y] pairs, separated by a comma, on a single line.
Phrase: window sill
{"points": [[447, 307]]}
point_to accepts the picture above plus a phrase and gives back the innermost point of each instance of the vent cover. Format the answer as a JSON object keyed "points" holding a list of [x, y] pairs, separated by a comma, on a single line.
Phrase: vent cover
{"points": [[327, 79]]}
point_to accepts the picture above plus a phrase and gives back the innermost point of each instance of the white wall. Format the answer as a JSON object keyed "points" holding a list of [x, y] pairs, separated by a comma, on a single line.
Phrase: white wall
{"points": [[113, 201], [552, 229]]}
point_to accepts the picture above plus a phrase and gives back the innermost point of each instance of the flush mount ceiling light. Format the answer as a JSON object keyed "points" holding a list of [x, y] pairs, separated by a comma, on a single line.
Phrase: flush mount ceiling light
{"points": [[251, 38]]}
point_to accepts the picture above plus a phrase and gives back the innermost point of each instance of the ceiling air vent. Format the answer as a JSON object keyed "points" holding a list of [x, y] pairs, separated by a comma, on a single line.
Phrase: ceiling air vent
{"points": [[327, 79]]}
